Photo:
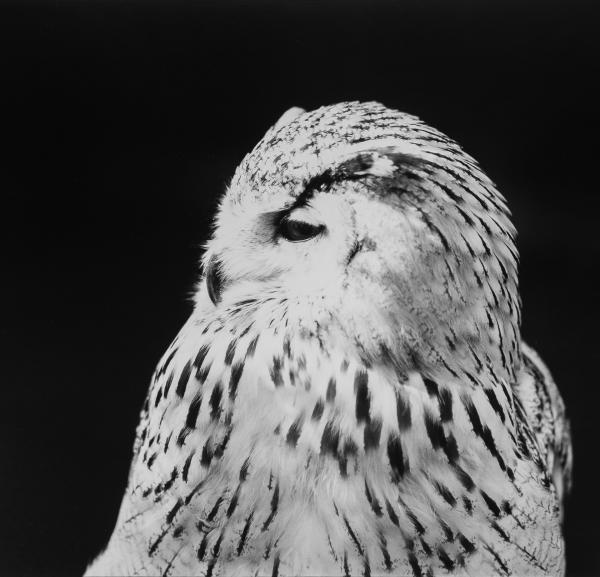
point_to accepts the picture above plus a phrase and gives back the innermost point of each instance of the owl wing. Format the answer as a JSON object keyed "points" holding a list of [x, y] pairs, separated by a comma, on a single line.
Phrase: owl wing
{"points": [[544, 410]]}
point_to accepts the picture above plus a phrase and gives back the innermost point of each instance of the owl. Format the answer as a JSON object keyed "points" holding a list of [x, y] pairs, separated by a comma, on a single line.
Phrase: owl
{"points": [[351, 394]]}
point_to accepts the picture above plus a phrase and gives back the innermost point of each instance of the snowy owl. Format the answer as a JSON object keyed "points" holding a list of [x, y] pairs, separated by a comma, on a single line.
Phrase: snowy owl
{"points": [[351, 394]]}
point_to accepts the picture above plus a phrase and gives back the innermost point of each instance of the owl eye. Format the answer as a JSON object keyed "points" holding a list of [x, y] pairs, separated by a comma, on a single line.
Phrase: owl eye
{"points": [[299, 230]]}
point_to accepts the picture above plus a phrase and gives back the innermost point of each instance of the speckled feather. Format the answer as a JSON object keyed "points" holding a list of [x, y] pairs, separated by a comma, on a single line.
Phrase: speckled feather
{"points": [[360, 403]]}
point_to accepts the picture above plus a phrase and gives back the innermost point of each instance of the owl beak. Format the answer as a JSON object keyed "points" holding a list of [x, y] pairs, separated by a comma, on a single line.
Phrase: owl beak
{"points": [[214, 280]]}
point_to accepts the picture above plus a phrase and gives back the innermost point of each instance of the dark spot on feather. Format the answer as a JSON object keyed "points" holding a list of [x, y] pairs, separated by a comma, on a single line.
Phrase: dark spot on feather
{"points": [[436, 230], [346, 567], [156, 543], [215, 555], [492, 505], [213, 512], [426, 548], [215, 402], [275, 572], [387, 561], [392, 514], [435, 432], [466, 544], [202, 352], [234, 501], [445, 559], [207, 454], [186, 467], [431, 386], [446, 529], [220, 449], [202, 548], [451, 449], [493, 400], [167, 442], [500, 531], [414, 564], [415, 521], [202, 373], [244, 469], [183, 379], [171, 514], [252, 347], [464, 478], [244, 534], [330, 439], [373, 501], [445, 402], [349, 450], [185, 431], [330, 396], [318, 410], [396, 458], [372, 434], [274, 507], [287, 347], [499, 560], [234, 379], [267, 551], [169, 482], [168, 360], [353, 537], [230, 352], [294, 431], [151, 460], [192, 414], [361, 389], [275, 371], [403, 412], [445, 493]]}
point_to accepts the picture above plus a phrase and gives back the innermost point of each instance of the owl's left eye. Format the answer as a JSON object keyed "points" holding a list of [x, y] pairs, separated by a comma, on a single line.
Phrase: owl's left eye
{"points": [[299, 230]]}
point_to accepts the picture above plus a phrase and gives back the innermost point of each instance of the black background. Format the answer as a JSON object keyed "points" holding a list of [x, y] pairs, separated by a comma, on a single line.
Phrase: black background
{"points": [[123, 122]]}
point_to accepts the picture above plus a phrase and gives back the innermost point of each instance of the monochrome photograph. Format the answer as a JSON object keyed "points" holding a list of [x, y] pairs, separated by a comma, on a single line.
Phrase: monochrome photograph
{"points": [[299, 288]]}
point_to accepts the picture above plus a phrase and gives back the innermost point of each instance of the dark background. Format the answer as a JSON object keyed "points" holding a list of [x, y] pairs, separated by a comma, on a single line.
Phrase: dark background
{"points": [[122, 123]]}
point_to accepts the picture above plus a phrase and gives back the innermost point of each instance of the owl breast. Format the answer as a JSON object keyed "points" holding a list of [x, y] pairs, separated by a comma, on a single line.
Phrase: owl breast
{"points": [[269, 451]]}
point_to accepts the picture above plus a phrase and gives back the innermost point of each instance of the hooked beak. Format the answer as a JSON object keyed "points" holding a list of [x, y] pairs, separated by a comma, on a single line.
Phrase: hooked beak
{"points": [[214, 280]]}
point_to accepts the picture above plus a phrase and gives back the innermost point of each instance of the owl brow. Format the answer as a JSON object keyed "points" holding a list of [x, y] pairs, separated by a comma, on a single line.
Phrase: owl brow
{"points": [[356, 168]]}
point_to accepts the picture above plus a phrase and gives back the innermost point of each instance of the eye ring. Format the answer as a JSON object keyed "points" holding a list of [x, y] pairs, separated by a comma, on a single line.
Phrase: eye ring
{"points": [[298, 230]]}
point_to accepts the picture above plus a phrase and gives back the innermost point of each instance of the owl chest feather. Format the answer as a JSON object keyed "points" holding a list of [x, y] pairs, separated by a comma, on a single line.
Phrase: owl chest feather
{"points": [[259, 453]]}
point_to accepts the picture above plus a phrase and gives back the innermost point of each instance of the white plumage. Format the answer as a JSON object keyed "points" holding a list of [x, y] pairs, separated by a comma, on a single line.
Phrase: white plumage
{"points": [[351, 394]]}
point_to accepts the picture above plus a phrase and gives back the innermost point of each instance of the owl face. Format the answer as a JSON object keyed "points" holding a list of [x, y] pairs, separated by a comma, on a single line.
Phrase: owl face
{"points": [[371, 227]]}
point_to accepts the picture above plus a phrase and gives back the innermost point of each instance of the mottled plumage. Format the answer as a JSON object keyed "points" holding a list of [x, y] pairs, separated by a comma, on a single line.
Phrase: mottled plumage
{"points": [[351, 395]]}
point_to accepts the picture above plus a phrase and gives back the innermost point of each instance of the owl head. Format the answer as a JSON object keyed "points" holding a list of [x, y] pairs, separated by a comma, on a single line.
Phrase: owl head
{"points": [[366, 227]]}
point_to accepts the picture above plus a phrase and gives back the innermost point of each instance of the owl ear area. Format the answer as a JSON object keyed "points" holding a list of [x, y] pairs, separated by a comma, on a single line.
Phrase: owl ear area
{"points": [[288, 116]]}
